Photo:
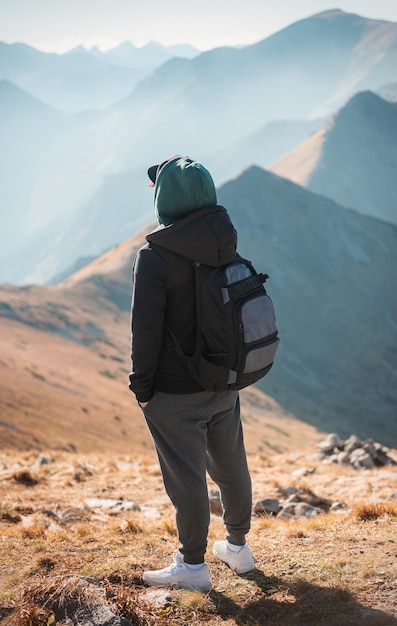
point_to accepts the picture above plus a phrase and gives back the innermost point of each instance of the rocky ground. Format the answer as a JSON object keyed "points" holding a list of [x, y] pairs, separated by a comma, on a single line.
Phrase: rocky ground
{"points": [[87, 526]]}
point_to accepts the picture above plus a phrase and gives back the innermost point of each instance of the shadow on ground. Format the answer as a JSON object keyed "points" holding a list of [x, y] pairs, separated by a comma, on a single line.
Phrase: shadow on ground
{"points": [[302, 604]]}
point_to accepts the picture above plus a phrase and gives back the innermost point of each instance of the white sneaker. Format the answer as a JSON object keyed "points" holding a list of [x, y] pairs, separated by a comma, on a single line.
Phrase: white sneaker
{"points": [[241, 561], [179, 575]]}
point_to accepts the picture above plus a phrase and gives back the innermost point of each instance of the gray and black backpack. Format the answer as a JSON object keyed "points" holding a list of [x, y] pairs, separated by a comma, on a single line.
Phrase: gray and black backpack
{"points": [[237, 336]]}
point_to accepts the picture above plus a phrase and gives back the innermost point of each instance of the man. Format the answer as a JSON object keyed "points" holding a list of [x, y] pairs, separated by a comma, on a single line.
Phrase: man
{"points": [[194, 430]]}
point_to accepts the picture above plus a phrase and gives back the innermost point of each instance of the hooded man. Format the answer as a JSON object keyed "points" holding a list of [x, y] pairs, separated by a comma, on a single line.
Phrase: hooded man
{"points": [[194, 431]]}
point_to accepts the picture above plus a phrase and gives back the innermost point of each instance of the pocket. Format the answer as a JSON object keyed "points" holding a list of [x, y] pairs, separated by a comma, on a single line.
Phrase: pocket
{"points": [[259, 358], [144, 409]]}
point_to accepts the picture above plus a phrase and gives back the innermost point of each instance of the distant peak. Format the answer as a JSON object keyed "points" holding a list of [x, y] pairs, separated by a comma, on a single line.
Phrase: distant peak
{"points": [[124, 45], [335, 14], [77, 50], [330, 13], [364, 98]]}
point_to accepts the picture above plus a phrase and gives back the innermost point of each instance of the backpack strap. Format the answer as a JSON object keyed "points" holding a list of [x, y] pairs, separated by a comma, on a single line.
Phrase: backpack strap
{"points": [[247, 285], [174, 346]]}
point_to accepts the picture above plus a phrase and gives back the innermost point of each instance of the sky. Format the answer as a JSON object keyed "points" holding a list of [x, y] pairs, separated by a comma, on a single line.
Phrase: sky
{"points": [[59, 25]]}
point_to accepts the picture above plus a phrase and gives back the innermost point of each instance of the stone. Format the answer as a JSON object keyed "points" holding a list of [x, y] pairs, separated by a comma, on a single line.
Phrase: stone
{"points": [[158, 598], [337, 507], [360, 459], [299, 503], [115, 505], [331, 442], [352, 442], [343, 458], [292, 498], [268, 506], [42, 459], [303, 471], [313, 500], [358, 454], [96, 615], [287, 512], [287, 491], [302, 509], [215, 502]]}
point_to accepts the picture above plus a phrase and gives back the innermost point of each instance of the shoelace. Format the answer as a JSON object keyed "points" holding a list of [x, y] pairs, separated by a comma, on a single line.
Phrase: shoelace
{"points": [[177, 565]]}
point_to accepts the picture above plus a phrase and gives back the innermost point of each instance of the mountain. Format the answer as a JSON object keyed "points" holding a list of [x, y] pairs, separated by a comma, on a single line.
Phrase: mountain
{"points": [[64, 363], [54, 187], [306, 70], [27, 138], [35, 193], [145, 58], [204, 106], [330, 271], [352, 159], [120, 206], [261, 147], [80, 78], [123, 202]]}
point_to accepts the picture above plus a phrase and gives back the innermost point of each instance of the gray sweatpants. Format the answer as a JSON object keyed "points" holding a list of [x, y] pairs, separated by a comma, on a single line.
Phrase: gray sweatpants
{"points": [[195, 433]]}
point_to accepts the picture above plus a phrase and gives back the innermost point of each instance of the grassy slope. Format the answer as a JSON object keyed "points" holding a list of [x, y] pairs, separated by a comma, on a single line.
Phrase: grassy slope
{"points": [[64, 363]]}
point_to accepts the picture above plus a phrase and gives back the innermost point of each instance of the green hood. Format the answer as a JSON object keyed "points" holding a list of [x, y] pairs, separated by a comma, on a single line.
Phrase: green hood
{"points": [[182, 187]]}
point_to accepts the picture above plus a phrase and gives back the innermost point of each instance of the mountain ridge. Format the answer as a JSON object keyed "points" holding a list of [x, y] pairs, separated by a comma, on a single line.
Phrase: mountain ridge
{"points": [[326, 264], [353, 158]]}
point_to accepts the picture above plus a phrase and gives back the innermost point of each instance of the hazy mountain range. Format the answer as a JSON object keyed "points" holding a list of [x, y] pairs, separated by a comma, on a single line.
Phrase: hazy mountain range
{"points": [[224, 107], [80, 78], [315, 104]]}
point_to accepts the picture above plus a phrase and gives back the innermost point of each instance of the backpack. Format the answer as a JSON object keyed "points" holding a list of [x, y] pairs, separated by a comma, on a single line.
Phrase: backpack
{"points": [[237, 336]]}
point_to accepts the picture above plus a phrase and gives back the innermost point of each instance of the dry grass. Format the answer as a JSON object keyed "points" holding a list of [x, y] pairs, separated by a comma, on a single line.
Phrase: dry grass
{"points": [[58, 555], [375, 510]]}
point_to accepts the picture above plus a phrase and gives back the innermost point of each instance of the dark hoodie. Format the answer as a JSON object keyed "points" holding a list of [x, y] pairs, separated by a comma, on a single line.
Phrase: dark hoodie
{"points": [[164, 295]]}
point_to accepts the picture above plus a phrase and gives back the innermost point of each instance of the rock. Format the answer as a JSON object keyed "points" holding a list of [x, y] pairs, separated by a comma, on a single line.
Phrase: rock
{"points": [[369, 448], [10, 517], [337, 507], [343, 458], [42, 459], [287, 491], [352, 443], [313, 500], [269, 506], [215, 502], [80, 601], [115, 505], [298, 504], [67, 516], [96, 615], [292, 498], [360, 459], [331, 442], [287, 512], [302, 509], [158, 598], [303, 471], [354, 452]]}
